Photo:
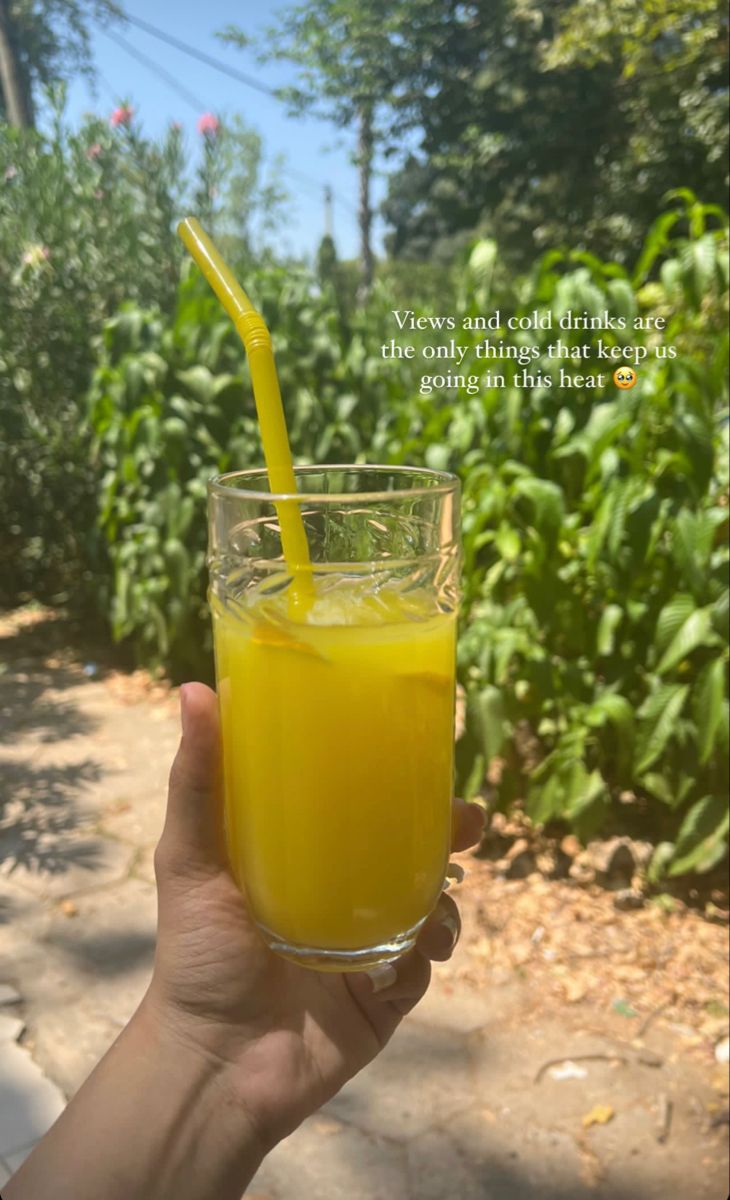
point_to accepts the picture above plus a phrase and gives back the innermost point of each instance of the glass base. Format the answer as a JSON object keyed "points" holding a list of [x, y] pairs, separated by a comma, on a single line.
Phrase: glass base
{"points": [[342, 960]]}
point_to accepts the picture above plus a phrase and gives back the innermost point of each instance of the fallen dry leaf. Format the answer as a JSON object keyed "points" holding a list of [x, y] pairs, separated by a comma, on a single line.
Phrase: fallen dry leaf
{"points": [[600, 1114], [574, 990]]}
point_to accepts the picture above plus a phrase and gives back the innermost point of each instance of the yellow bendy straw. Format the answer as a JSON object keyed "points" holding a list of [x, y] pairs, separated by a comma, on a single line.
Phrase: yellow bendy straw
{"points": [[256, 338]]}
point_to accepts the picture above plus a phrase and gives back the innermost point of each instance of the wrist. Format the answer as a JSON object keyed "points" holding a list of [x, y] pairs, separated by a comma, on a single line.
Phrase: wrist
{"points": [[191, 1068], [157, 1117], [237, 1068]]}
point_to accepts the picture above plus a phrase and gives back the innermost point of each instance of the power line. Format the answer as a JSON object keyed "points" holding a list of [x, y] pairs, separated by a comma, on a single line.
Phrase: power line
{"points": [[216, 63], [155, 67], [241, 77], [194, 101]]}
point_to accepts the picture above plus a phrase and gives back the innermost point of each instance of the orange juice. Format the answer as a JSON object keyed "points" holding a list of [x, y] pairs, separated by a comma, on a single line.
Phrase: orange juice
{"points": [[338, 759]]}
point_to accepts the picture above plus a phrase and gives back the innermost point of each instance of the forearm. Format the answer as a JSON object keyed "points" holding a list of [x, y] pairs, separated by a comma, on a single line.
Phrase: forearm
{"points": [[155, 1120]]}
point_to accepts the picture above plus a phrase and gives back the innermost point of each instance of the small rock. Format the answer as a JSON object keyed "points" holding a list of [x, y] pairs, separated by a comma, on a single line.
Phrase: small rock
{"points": [[628, 899], [571, 846], [68, 908], [8, 994], [581, 872], [575, 990], [612, 860], [495, 770], [567, 1070], [553, 863], [722, 1051], [642, 852]]}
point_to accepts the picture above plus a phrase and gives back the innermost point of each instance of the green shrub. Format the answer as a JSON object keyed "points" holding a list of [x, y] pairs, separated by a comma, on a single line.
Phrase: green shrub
{"points": [[596, 526], [594, 641], [85, 223]]}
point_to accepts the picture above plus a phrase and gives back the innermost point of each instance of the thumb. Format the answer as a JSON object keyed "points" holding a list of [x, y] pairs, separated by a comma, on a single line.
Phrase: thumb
{"points": [[193, 836]]}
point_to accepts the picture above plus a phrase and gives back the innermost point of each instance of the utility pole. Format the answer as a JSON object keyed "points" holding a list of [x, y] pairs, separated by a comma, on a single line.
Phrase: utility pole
{"points": [[328, 211], [18, 109], [365, 215]]}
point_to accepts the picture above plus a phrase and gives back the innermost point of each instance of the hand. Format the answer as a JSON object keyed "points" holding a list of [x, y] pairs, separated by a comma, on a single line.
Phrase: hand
{"points": [[284, 1037]]}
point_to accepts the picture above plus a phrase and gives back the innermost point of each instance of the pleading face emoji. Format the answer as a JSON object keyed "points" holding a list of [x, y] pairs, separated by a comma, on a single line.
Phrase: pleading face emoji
{"points": [[624, 378]]}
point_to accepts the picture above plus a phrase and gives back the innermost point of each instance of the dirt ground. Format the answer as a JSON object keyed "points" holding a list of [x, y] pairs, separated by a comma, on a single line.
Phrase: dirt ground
{"points": [[579, 1034]]}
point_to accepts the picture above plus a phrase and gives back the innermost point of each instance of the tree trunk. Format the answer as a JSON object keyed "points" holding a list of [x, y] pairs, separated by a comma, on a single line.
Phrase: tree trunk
{"points": [[365, 216], [17, 107]]}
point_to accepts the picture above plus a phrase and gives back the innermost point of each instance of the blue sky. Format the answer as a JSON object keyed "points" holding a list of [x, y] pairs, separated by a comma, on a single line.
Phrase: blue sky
{"points": [[310, 145]]}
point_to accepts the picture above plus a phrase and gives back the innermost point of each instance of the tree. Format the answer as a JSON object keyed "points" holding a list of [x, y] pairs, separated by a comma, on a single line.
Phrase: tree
{"points": [[566, 120], [344, 75], [238, 197], [13, 90], [42, 43]]}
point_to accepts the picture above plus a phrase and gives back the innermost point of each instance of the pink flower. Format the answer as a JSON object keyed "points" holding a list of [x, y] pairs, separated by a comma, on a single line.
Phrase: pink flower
{"points": [[175, 126], [35, 255], [208, 125], [93, 151], [121, 116]]}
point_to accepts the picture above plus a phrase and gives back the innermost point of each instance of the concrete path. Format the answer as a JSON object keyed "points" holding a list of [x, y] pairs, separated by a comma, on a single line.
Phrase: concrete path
{"points": [[450, 1111]]}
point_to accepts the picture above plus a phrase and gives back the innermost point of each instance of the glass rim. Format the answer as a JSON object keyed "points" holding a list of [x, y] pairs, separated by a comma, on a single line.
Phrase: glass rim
{"points": [[443, 483]]}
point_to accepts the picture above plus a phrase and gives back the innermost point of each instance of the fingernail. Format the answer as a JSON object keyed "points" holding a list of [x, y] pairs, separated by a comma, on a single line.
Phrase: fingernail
{"points": [[183, 708], [382, 976], [450, 924], [454, 874]]}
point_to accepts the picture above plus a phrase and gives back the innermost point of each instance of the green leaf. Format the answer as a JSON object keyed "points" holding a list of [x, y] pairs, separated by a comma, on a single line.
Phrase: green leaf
{"points": [[656, 242], [611, 618], [709, 693], [199, 380], [702, 838], [614, 708], [695, 631], [482, 259], [507, 541], [698, 258], [438, 457], [587, 801], [658, 786], [486, 709], [548, 502], [658, 715], [671, 618], [660, 860], [600, 526], [546, 800], [623, 298]]}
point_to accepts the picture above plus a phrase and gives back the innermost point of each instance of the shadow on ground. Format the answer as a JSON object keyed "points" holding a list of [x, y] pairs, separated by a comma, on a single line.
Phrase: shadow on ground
{"points": [[23, 710], [40, 802], [107, 955], [39, 809], [26, 678]]}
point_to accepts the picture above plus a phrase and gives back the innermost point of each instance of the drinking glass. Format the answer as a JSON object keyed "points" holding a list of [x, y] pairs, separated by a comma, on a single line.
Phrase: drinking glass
{"points": [[337, 704]]}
